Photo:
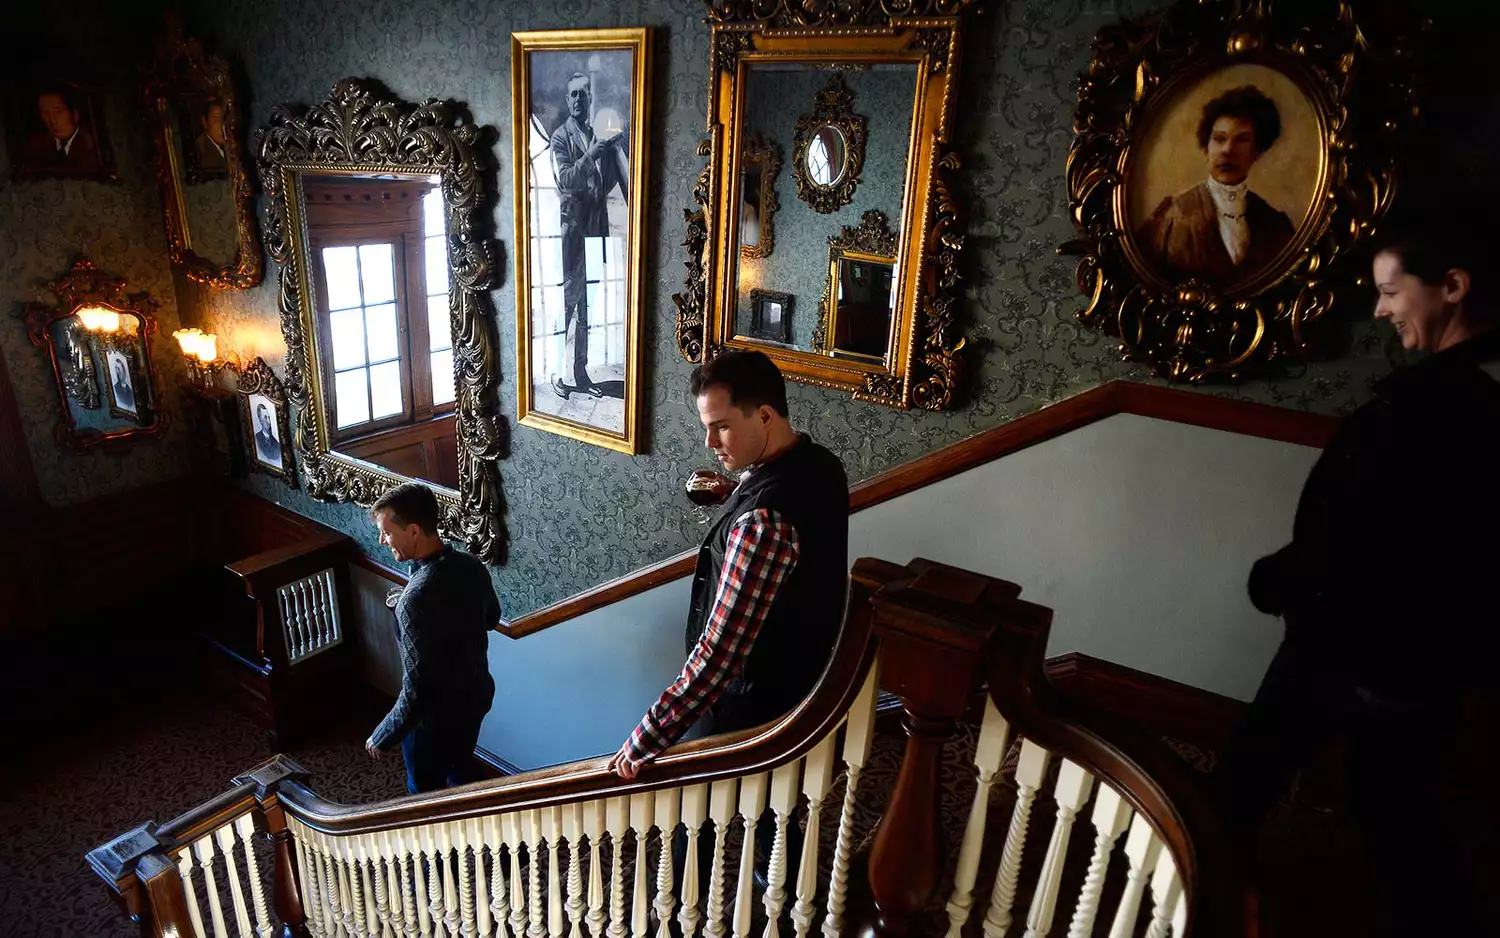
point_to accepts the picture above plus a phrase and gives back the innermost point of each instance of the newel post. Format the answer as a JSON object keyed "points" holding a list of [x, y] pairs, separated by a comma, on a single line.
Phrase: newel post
{"points": [[119, 864], [933, 628], [286, 894]]}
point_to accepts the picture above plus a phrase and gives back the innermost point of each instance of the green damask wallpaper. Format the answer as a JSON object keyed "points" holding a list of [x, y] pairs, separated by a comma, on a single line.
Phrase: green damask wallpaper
{"points": [[580, 515], [45, 223]]}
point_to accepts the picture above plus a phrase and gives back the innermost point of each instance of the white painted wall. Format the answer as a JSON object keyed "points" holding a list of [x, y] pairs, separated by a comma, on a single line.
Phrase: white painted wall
{"points": [[1138, 532]]}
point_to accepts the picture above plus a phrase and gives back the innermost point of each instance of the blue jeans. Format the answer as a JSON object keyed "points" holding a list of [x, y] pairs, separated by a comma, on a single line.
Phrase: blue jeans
{"points": [[439, 753]]}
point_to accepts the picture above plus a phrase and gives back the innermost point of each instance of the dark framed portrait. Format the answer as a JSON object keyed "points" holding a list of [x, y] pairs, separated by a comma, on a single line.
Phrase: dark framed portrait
{"points": [[771, 315], [580, 101], [267, 422], [121, 384], [202, 138], [56, 129]]}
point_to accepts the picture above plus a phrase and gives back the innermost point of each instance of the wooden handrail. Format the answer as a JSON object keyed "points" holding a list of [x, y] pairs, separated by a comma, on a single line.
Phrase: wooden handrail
{"points": [[754, 750], [1108, 400]]}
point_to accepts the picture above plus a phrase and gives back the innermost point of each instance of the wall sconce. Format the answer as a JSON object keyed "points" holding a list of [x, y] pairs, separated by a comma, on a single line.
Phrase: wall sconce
{"points": [[201, 352]]}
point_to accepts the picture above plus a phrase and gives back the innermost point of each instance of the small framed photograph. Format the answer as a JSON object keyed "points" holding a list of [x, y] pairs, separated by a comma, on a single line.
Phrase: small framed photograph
{"points": [[267, 421], [771, 315], [56, 129], [121, 385], [202, 137]]}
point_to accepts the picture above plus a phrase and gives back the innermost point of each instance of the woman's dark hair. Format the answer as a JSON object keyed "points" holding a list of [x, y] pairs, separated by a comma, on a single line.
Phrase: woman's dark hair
{"points": [[410, 503], [1434, 240], [1246, 103], [750, 377]]}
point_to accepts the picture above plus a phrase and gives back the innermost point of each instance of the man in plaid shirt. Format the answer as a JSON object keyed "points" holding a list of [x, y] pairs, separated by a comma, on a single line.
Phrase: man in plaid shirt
{"points": [[772, 575]]}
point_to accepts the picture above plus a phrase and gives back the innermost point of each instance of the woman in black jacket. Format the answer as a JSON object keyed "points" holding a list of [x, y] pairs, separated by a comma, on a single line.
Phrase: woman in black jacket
{"points": [[1389, 594]]}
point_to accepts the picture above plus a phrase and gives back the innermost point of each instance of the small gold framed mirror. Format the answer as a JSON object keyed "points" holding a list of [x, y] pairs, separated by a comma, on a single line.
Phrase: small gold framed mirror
{"points": [[758, 200], [200, 164], [873, 144]]}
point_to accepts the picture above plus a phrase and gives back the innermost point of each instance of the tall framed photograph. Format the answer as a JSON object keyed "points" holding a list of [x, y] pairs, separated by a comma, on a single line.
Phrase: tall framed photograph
{"points": [[580, 101], [771, 315], [266, 418], [121, 385], [55, 128]]}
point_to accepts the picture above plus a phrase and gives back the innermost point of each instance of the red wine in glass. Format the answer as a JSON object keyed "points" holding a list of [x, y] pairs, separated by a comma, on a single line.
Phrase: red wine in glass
{"points": [[704, 488]]}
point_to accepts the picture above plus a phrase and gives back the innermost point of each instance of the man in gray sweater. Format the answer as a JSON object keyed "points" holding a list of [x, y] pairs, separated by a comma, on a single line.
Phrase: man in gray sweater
{"points": [[443, 619]]}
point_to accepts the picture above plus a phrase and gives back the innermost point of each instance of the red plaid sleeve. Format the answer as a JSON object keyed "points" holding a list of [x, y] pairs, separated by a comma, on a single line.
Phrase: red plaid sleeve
{"points": [[761, 553]]}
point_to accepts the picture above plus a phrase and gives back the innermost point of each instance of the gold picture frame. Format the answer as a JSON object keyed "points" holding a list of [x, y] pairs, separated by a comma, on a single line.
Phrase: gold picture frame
{"points": [[1215, 276], [872, 242], [265, 415], [184, 77], [363, 129], [832, 114], [762, 162], [926, 365], [580, 116]]}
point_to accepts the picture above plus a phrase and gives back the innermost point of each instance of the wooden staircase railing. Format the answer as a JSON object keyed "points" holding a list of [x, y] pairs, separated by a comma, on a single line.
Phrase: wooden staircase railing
{"points": [[569, 850]]}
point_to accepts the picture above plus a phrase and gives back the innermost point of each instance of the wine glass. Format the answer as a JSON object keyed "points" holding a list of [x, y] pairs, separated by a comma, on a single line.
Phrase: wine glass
{"points": [[704, 488]]}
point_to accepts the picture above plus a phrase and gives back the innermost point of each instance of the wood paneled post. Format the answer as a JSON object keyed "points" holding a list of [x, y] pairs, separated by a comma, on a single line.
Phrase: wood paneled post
{"points": [[163, 884], [286, 897], [117, 864], [933, 627]]}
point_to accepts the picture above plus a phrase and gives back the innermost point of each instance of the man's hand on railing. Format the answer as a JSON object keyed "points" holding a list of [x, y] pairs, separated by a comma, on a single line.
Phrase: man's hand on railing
{"points": [[621, 764], [370, 748]]}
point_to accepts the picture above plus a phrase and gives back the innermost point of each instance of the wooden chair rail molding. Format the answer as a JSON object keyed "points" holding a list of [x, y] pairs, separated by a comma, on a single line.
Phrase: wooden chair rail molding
{"points": [[1116, 397]]}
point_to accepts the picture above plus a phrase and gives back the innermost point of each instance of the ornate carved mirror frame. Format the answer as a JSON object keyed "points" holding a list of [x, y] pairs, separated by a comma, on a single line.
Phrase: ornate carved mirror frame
{"points": [[767, 155], [179, 59], [834, 108], [85, 285], [1192, 327], [870, 240], [925, 366], [362, 129]]}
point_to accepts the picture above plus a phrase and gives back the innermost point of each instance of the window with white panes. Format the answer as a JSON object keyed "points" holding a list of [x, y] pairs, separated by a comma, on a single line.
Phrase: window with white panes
{"points": [[439, 323], [368, 377]]}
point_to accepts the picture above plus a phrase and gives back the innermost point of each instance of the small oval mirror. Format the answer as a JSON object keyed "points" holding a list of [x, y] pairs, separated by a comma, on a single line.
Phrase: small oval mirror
{"points": [[826, 156]]}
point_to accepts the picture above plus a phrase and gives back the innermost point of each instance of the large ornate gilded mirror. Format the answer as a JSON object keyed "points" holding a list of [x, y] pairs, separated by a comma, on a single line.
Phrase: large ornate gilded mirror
{"points": [[862, 101], [97, 341], [390, 346], [200, 165]]}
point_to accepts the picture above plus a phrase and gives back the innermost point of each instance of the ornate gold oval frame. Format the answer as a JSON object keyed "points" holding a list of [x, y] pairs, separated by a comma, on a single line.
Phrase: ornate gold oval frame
{"points": [[834, 107], [361, 128], [86, 285], [1188, 329], [179, 57], [925, 368], [760, 150]]}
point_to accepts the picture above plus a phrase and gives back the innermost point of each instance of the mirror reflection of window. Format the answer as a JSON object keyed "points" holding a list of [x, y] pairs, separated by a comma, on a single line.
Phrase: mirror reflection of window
{"points": [[367, 374], [439, 325], [818, 161], [750, 197]]}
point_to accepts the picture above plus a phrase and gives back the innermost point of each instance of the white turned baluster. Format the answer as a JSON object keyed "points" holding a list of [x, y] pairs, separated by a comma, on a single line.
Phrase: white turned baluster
{"points": [[245, 826], [390, 852], [435, 876], [349, 847], [411, 840], [379, 861], [321, 600], [310, 600], [288, 626], [640, 903], [338, 888], [694, 811], [665, 811], [1110, 816], [332, 922], [533, 833], [593, 828], [783, 802], [474, 835], [451, 916], [1031, 771], [307, 876], [299, 613], [205, 850], [552, 833], [573, 833], [994, 733], [225, 837], [498, 901], [510, 826], [720, 812], [1071, 793], [752, 804], [1166, 892], [616, 822], [185, 870], [1179, 919], [1141, 850], [860, 727], [816, 778], [469, 924]]}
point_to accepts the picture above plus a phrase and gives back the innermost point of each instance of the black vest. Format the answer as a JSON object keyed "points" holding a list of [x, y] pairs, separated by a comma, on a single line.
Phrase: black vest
{"points": [[806, 486]]}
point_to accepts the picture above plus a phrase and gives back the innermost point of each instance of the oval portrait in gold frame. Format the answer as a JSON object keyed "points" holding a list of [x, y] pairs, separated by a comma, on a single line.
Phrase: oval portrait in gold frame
{"points": [[1226, 181]]}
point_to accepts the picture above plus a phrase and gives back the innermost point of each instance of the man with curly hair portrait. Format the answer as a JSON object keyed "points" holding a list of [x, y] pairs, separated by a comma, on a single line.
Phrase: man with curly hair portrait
{"points": [[1219, 231]]}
